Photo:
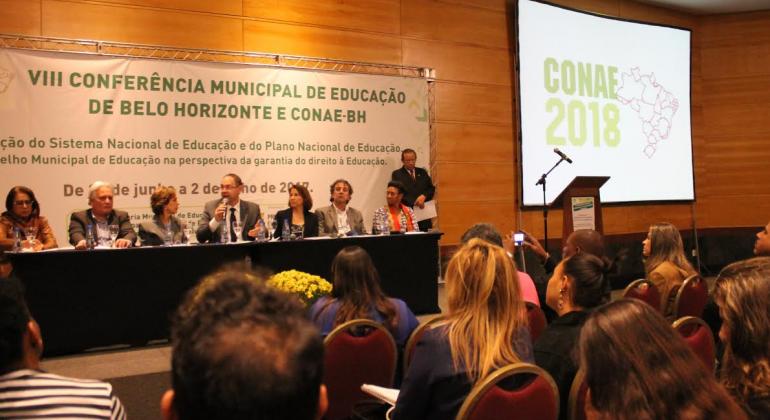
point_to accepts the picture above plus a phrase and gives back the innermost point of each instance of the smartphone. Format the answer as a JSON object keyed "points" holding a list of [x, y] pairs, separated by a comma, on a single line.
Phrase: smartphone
{"points": [[518, 238]]}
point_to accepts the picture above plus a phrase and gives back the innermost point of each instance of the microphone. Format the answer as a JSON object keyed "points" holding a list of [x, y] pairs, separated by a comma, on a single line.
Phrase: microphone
{"points": [[561, 154], [224, 201]]}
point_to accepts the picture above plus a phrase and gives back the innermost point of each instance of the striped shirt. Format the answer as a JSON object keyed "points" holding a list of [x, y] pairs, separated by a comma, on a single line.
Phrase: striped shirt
{"points": [[32, 394]]}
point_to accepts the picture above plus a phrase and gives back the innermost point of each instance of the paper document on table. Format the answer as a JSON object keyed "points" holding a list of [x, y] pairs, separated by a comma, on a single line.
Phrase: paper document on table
{"points": [[428, 212], [388, 395]]}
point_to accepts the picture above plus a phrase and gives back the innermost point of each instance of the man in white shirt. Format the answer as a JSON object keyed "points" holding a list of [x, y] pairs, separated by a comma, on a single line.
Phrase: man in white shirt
{"points": [[339, 218], [220, 216]]}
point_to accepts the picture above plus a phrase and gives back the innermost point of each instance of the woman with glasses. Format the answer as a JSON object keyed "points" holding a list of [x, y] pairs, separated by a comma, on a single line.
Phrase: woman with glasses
{"points": [[23, 213]]}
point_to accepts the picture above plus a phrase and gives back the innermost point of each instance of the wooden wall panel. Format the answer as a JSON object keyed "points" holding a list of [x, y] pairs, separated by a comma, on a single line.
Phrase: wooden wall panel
{"points": [[227, 7], [20, 17], [141, 26], [366, 15], [490, 181], [474, 143], [448, 22], [320, 42], [473, 103], [460, 62], [496, 5], [457, 217]]}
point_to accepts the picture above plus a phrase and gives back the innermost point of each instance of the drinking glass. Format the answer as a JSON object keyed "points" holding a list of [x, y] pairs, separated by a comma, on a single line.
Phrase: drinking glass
{"points": [[237, 228], [114, 231], [297, 232], [190, 232], [30, 233], [273, 223]]}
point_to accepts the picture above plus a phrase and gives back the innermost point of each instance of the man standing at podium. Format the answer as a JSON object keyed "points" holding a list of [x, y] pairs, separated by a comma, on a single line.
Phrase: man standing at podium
{"points": [[417, 183]]}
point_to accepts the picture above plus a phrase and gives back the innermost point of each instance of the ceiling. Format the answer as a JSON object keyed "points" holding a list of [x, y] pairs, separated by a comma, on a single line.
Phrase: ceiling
{"points": [[708, 7]]}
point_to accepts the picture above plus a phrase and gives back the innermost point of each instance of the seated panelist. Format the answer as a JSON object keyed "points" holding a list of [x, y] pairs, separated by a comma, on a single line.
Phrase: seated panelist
{"points": [[23, 213], [339, 218], [298, 216], [101, 216], [399, 217], [164, 227], [221, 214]]}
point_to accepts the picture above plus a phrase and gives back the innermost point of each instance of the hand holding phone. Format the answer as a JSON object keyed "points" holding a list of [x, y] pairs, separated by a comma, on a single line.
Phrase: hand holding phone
{"points": [[518, 238]]}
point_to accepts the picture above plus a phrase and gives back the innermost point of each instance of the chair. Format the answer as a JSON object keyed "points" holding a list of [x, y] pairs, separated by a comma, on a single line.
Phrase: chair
{"points": [[576, 404], [691, 297], [698, 336], [356, 352], [538, 398], [645, 291], [537, 321], [415, 337]]}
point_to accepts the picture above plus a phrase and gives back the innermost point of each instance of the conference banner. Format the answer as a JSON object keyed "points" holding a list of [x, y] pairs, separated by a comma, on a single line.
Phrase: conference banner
{"points": [[71, 119]]}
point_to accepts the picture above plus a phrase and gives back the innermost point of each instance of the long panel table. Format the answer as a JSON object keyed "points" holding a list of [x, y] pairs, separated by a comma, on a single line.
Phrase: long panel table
{"points": [[107, 297]]}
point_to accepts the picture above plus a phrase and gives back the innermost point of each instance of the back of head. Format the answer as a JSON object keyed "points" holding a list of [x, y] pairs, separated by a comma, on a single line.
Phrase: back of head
{"points": [[588, 241], [742, 293], [638, 367], [590, 287], [14, 317], [666, 245], [485, 231], [242, 350], [486, 310]]}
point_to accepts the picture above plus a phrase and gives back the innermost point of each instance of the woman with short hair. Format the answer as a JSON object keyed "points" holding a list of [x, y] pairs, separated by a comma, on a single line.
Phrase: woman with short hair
{"points": [[637, 367], [742, 294], [485, 329], [665, 264], [164, 226], [22, 211]]}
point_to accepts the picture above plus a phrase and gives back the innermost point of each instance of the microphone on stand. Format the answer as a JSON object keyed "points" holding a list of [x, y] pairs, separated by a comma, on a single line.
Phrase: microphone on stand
{"points": [[561, 154]]}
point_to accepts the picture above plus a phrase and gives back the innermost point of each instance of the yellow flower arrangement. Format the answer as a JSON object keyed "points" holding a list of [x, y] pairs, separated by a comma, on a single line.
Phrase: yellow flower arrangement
{"points": [[307, 287]]}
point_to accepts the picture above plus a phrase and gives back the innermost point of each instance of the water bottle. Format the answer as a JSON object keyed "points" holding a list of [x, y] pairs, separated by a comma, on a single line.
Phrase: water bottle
{"points": [[285, 230], [16, 239], [90, 239], [403, 224], [262, 234], [384, 228], [224, 234]]}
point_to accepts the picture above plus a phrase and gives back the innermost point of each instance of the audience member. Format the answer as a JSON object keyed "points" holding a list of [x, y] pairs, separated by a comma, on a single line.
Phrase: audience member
{"points": [[100, 217], [223, 214], [22, 211], [489, 233], [418, 187], [28, 392], [339, 218], [164, 227], [298, 216], [356, 294], [485, 329], [665, 264], [243, 350], [395, 217], [577, 286], [762, 244], [638, 367], [579, 241], [743, 295]]}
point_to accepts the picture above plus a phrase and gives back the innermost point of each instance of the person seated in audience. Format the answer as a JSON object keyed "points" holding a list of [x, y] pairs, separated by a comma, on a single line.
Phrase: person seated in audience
{"points": [[28, 392], [665, 264], [638, 367], [164, 227], [485, 329], [356, 294], [742, 293], [100, 216], [298, 216], [243, 350], [489, 233], [577, 286], [339, 218], [579, 241], [22, 211], [397, 216], [762, 244]]}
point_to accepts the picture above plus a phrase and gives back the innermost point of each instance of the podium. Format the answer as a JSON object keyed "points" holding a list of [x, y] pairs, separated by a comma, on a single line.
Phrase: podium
{"points": [[580, 199]]}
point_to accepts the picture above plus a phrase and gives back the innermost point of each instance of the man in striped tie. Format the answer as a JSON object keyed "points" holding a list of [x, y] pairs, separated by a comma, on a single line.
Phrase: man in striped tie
{"points": [[28, 392]]}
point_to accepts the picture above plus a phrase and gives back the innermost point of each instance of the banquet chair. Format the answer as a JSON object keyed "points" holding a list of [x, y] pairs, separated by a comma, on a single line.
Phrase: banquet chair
{"points": [[576, 404], [645, 291], [415, 337], [691, 297], [537, 321], [699, 337]]}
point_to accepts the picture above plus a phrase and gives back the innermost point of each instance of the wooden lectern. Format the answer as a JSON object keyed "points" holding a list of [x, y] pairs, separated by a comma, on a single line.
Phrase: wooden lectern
{"points": [[586, 190]]}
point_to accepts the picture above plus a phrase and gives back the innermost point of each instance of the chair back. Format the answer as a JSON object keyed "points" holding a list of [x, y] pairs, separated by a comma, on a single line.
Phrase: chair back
{"points": [[538, 398], [356, 352], [698, 336], [691, 297], [576, 405], [537, 321], [645, 291], [415, 337]]}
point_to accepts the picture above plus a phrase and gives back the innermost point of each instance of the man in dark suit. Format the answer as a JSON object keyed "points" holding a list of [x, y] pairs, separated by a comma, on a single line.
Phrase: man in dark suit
{"points": [[221, 214], [100, 216], [417, 182]]}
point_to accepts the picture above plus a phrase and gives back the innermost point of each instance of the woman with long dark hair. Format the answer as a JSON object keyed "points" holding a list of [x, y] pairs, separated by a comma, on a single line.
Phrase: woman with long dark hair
{"points": [[638, 368], [356, 294], [22, 211], [665, 264], [743, 295]]}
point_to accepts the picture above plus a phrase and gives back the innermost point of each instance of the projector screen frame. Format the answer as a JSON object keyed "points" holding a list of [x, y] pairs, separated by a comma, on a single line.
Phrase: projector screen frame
{"points": [[519, 133]]}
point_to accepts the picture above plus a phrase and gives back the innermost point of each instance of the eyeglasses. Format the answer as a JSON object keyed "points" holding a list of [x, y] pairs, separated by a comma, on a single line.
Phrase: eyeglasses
{"points": [[23, 202]]}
